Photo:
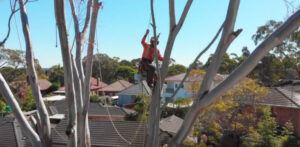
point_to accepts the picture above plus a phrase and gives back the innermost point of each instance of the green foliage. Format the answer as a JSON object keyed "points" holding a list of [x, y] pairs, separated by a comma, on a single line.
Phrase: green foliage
{"points": [[267, 128], [12, 74], [176, 69], [141, 107], [2, 106], [94, 98], [28, 104], [188, 143], [125, 63], [53, 87], [10, 57], [108, 67], [126, 73], [39, 70], [290, 141], [56, 74]]}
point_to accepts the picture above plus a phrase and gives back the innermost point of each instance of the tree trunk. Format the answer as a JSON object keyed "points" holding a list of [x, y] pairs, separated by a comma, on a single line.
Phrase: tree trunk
{"points": [[155, 111], [11, 101], [68, 72], [88, 74], [33, 80], [273, 40]]}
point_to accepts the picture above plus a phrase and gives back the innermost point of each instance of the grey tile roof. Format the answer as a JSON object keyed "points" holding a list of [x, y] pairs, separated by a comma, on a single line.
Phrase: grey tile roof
{"points": [[140, 88], [11, 134], [280, 97], [104, 134], [7, 133], [170, 124], [60, 107]]}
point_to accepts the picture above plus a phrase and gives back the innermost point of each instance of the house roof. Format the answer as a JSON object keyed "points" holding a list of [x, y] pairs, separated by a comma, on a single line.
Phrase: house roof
{"points": [[170, 124], [116, 86], [106, 133], [12, 134], [280, 97], [179, 77], [43, 84], [7, 133], [140, 88], [60, 107], [94, 85]]}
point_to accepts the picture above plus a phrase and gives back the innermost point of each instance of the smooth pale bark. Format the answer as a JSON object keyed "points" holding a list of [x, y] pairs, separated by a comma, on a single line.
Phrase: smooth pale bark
{"points": [[11, 101], [88, 73], [272, 41], [188, 71], [33, 80], [68, 72], [154, 116], [221, 48]]}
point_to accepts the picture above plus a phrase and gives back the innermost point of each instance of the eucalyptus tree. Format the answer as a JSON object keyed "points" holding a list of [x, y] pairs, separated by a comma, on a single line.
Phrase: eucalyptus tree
{"points": [[206, 95], [77, 81]]}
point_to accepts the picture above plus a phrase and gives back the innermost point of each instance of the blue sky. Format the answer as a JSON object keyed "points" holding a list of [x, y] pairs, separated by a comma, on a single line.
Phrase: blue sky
{"points": [[121, 25]]}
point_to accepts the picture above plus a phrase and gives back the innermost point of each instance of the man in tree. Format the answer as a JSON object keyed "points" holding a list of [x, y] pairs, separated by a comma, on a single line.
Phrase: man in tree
{"points": [[148, 57]]}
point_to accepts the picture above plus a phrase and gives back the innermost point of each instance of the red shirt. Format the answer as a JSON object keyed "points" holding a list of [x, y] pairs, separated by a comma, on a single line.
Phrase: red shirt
{"points": [[149, 52]]}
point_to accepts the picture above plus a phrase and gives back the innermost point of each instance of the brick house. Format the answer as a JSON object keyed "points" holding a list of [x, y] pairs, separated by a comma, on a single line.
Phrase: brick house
{"points": [[285, 105]]}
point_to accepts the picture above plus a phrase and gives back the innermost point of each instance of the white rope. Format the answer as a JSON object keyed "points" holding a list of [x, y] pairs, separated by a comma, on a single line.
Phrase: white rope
{"points": [[120, 135]]}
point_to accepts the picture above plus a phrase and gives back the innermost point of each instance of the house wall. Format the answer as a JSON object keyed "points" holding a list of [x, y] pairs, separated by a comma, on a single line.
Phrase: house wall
{"points": [[125, 99], [288, 114], [171, 87]]}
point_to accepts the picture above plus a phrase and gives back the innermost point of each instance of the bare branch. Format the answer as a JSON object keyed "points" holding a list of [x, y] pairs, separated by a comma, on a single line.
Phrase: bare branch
{"points": [[33, 80], [68, 71], [87, 18], [75, 18], [227, 37], [13, 11], [153, 131], [183, 15], [172, 15], [11, 101], [192, 65], [273, 40], [171, 39]]}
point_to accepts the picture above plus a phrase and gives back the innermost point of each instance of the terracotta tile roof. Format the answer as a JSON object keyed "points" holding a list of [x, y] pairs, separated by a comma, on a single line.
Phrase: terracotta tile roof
{"points": [[43, 83], [170, 124], [179, 77], [104, 134], [116, 86], [279, 97], [93, 85]]}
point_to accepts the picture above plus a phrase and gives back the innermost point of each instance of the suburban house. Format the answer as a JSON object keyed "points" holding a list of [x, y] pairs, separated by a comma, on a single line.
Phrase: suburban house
{"points": [[174, 81], [127, 96], [285, 104], [114, 88], [21, 86], [95, 85]]}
